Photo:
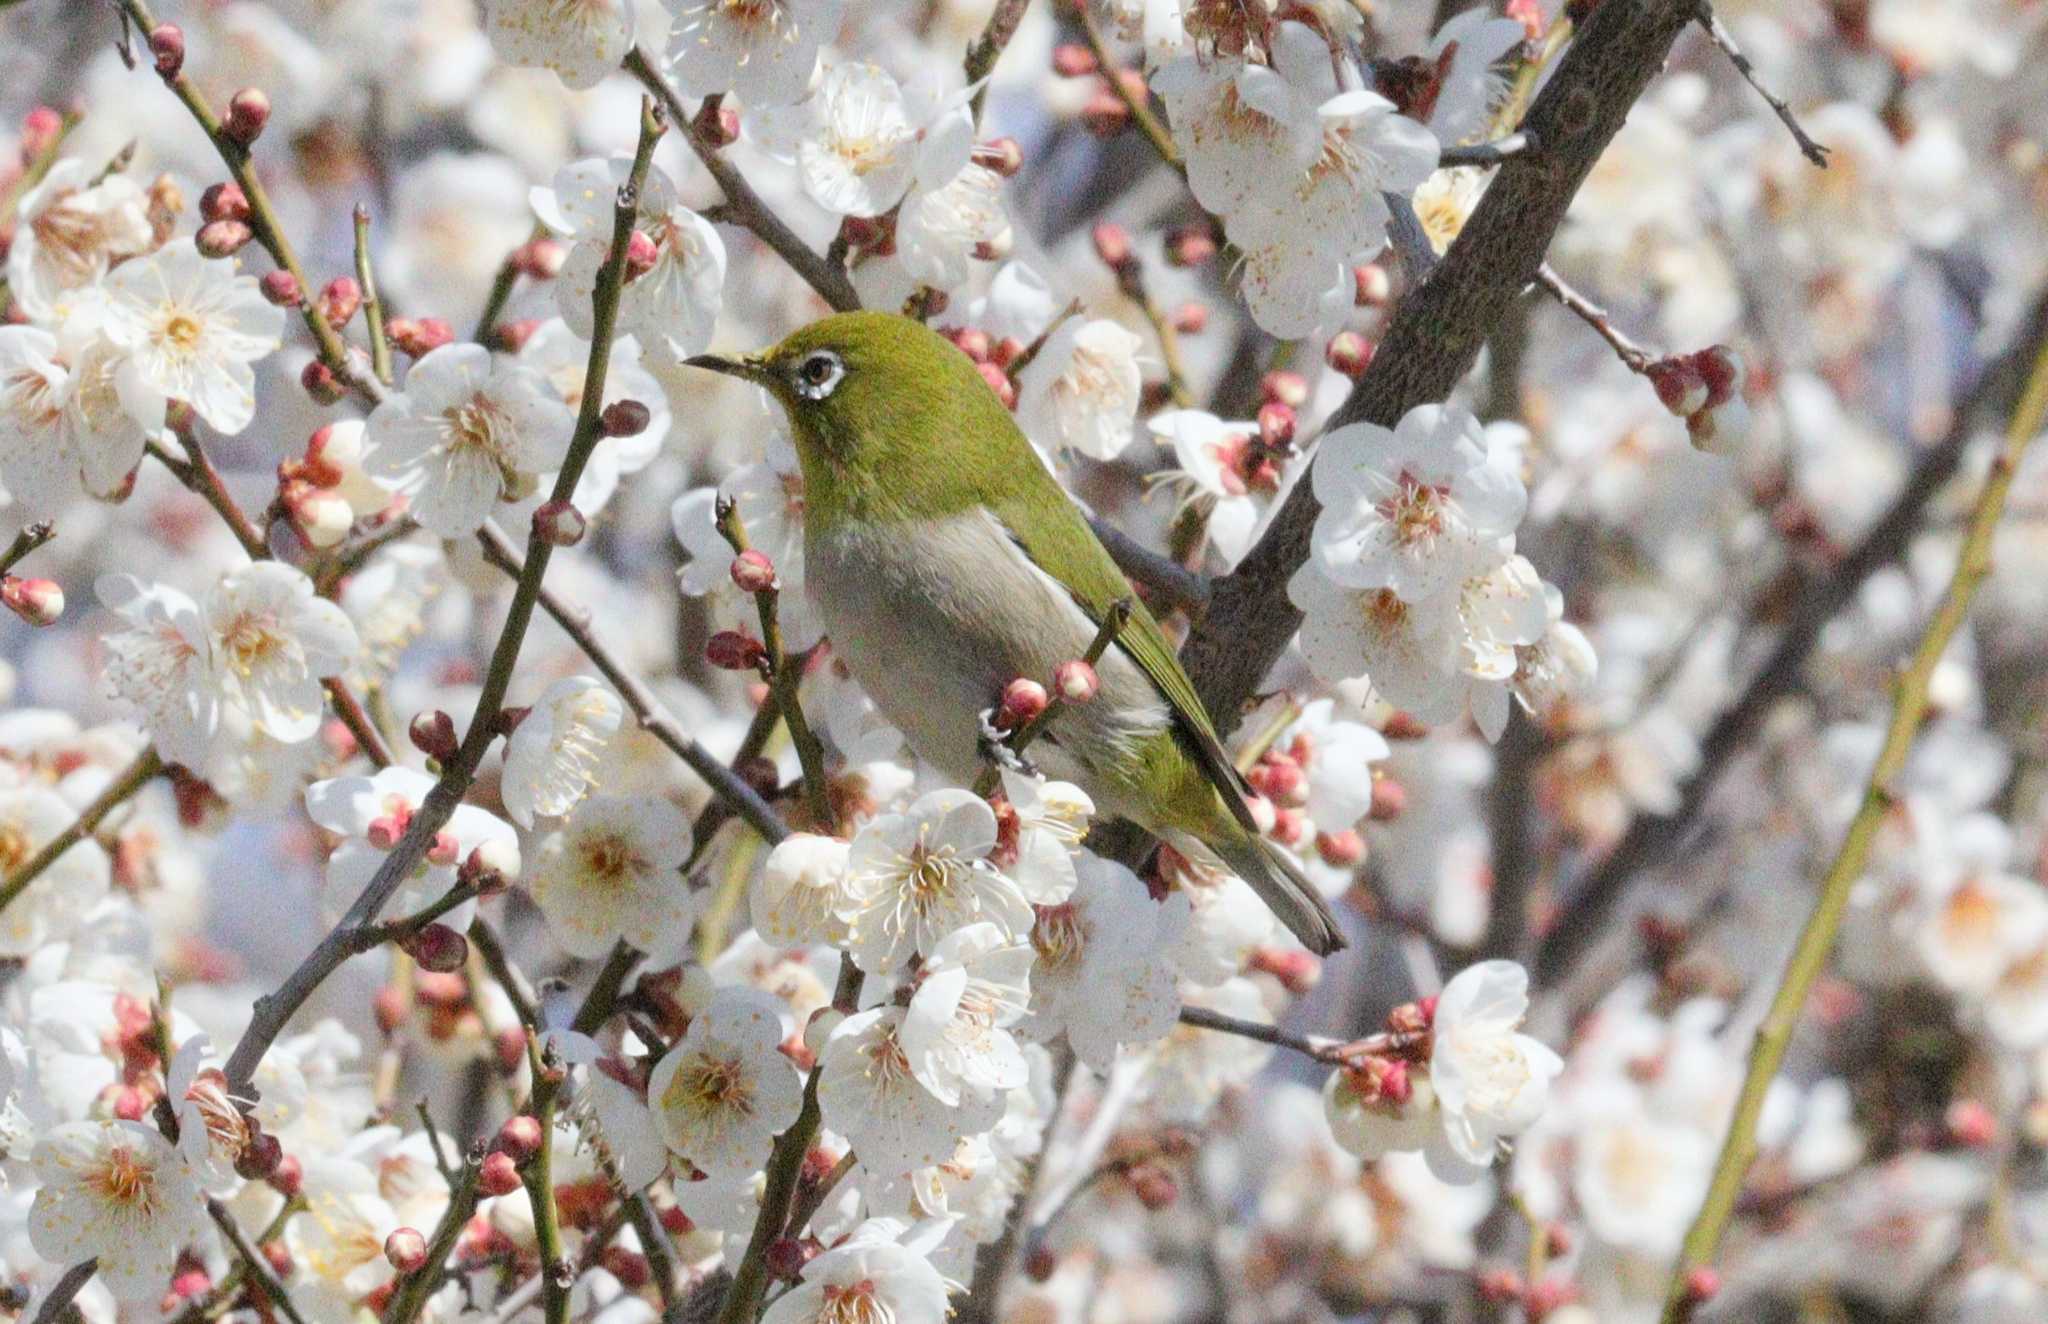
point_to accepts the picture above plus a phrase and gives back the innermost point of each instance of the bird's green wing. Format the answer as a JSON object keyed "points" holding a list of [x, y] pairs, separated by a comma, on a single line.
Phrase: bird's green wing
{"points": [[1060, 543]]}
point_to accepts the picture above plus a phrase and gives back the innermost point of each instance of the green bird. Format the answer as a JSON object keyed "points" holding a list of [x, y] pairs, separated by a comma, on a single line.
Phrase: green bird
{"points": [[945, 562]]}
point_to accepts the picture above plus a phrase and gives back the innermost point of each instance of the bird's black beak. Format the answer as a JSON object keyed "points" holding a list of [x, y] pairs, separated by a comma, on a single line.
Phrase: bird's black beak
{"points": [[746, 367]]}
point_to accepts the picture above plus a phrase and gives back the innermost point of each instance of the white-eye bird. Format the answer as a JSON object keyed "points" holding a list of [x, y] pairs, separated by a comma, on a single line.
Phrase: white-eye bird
{"points": [[945, 561]]}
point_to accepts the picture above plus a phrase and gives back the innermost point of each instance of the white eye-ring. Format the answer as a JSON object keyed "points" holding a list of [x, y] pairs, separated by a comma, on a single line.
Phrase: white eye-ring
{"points": [[818, 375]]}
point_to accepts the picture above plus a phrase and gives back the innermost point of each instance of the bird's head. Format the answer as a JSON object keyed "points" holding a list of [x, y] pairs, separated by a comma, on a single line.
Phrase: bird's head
{"points": [[871, 396]]}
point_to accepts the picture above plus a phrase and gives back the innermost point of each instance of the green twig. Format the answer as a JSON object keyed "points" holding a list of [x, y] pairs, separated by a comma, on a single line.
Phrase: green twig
{"points": [[1113, 622], [784, 676], [137, 775], [373, 306]]}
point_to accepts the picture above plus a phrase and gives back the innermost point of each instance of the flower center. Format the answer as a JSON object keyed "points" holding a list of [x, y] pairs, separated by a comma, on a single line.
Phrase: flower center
{"points": [[1384, 610], [32, 399], [611, 858], [182, 331], [14, 847], [123, 1177], [708, 1084], [71, 238], [931, 874], [1417, 510], [253, 641], [855, 1303], [1057, 936]]}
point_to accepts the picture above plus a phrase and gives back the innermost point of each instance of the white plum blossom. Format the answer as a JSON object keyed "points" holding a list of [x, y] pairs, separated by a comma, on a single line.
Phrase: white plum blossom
{"points": [[860, 143], [563, 357], [556, 754], [971, 989], [1247, 126], [915, 877], [671, 307], [69, 231], [613, 871], [763, 51], [465, 434], [723, 1093], [1081, 391], [1105, 975], [120, 1193], [879, 1273], [371, 813], [1491, 1080], [1417, 508], [942, 231], [1225, 464], [191, 328], [1409, 650], [869, 1091], [31, 817], [1466, 87], [71, 419], [796, 897], [273, 641], [161, 666], [581, 40]]}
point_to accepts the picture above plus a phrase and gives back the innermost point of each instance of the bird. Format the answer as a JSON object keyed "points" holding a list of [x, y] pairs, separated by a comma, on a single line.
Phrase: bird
{"points": [[945, 561]]}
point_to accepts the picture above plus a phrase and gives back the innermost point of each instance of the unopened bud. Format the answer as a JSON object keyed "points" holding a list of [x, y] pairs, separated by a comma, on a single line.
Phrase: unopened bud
{"points": [[499, 1175], [1113, 245], [1288, 388], [559, 524], [1389, 798], [519, 1138], [540, 259], [1191, 318], [437, 948], [1002, 155], [322, 517], [1191, 246], [716, 124], [1971, 1124], [287, 1176], [281, 288], [1702, 1284], [1412, 1018], [1290, 825], [279, 1257], [1105, 115], [753, 571], [1680, 387], [641, 254], [512, 336], [40, 602], [320, 382], [1040, 1263], [441, 990], [167, 48], [1340, 850], [417, 337], [224, 201], [1297, 970], [1721, 369], [1369, 285], [1349, 353], [406, 1250], [1023, 699], [999, 382], [729, 650], [1548, 1296], [490, 867], [973, 342], [628, 1266], [1154, 1186], [443, 850], [340, 300], [786, 1257], [385, 830], [433, 734], [1276, 424], [1076, 681], [1007, 351], [1501, 1286], [390, 1008], [1073, 60], [248, 112], [625, 418], [218, 239]]}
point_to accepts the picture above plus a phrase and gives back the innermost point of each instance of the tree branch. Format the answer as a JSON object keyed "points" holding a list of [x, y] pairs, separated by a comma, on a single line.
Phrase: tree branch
{"points": [[137, 775]]}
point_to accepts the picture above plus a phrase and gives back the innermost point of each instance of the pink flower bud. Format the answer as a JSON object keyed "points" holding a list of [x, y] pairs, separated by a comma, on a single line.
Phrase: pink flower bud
{"points": [[1073, 60], [1105, 115], [1340, 850], [40, 602], [1113, 245], [1276, 424], [1349, 353], [559, 524], [999, 382], [433, 734], [218, 239], [1191, 246], [340, 300], [1076, 681], [512, 336], [248, 112], [281, 288], [39, 130], [1007, 351], [1549, 1296], [729, 650], [287, 1175], [1289, 826], [386, 830], [540, 259], [498, 1176], [1002, 155], [1289, 388], [1297, 970], [417, 337], [167, 48], [1721, 369], [320, 382], [389, 1008], [625, 418], [1679, 386], [1154, 1186], [406, 1250], [1191, 318], [1502, 1287], [519, 1138], [1023, 699], [437, 948], [190, 1283], [490, 867], [753, 571], [641, 254], [786, 1257], [1971, 1124], [1389, 798], [444, 850], [1040, 1263], [1702, 1284], [716, 124], [224, 201], [1370, 286], [974, 343], [1412, 1018], [1263, 811], [279, 1257]]}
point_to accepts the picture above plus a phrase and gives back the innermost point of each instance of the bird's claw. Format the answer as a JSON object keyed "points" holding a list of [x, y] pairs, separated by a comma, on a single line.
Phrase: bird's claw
{"points": [[994, 746]]}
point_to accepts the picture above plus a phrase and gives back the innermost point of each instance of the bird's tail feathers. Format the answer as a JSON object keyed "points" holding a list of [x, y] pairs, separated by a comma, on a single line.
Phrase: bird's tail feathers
{"points": [[1271, 872]]}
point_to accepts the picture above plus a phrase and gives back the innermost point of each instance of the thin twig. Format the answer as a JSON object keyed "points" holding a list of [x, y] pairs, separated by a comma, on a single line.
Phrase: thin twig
{"points": [[1112, 74], [556, 1274], [744, 207], [1633, 356], [784, 677], [1113, 622], [1721, 37], [485, 940], [137, 775], [1322, 1050], [1486, 154], [31, 537], [502, 285], [417, 1288], [1817, 940], [373, 305], [252, 1259], [64, 1290], [985, 50], [814, 1196]]}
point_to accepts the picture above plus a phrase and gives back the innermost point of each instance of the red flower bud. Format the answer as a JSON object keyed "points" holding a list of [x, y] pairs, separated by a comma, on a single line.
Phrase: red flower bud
{"points": [[1340, 850], [1297, 970], [279, 1257], [489, 867], [440, 990], [1073, 60], [717, 124], [1289, 388], [340, 299], [540, 259], [512, 336], [167, 48], [625, 418], [406, 1250], [1105, 114], [499, 1175], [433, 734], [559, 524], [641, 254], [417, 337], [787, 1256], [1680, 387], [1370, 286], [1076, 681], [39, 130], [224, 201], [1971, 1124], [519, 1138], [1023, 699], [1154, 1186], [281, 288], [260, 1158], [753, 571], [1721, 369], [1002, 155], [1113, 245], [1702, 1284], [437, 948], [1191, 318], [974, 343], [1501, 1286], [1389, 798], [40, 602], [1007, 351], [1349, 353], [320, 382], [729, 650], [390, 1008], [999, 382], [287, 1175], [248, 112], [218, 239], [1276, 424], [1040, 1263], [629, 1267]]}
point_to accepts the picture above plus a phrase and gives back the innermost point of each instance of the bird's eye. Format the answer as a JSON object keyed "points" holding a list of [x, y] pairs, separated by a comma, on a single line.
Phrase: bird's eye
{"points": [[818, 374]]}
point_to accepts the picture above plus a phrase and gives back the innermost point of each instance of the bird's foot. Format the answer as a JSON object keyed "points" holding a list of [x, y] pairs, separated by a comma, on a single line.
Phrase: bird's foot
{"points": [[993, 743]]}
